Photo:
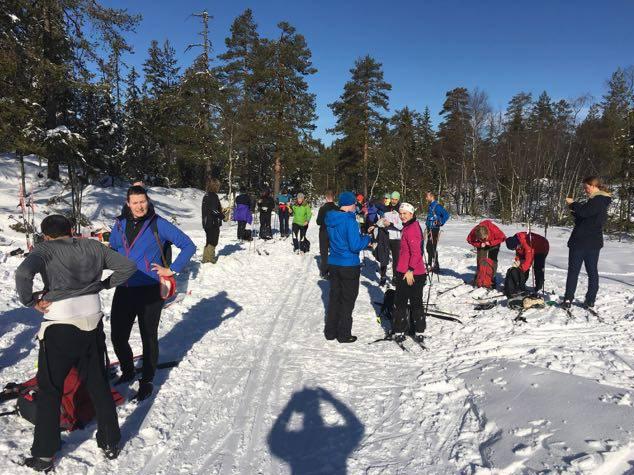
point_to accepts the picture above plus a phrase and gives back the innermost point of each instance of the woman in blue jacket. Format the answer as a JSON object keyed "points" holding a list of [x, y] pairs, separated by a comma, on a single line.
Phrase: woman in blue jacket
{"points": [[140, 234]]}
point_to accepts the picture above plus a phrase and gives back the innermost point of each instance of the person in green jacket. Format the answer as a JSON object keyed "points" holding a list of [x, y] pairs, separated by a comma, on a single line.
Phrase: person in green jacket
{"points": [[301, 212]]}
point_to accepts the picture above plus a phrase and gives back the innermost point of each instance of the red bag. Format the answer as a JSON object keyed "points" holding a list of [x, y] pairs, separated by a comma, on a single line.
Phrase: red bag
{"points": [[168, 287], [76, 409], [167, 284], [485, 273]]}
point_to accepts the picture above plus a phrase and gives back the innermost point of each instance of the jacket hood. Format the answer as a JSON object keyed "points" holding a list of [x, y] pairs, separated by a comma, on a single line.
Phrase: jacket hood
{"points": [[335, 218]]}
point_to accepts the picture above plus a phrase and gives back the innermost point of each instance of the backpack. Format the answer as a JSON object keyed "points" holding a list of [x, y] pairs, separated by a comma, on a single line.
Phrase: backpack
{"points": [[304, 245], [76, 409], [485, 274], [515, 282]]}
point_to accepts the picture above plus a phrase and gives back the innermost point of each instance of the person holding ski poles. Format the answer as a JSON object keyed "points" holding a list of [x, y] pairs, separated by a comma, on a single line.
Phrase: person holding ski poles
{"points": [[486, 237], [346, 242], [301, 213], [531, 250], [139, 236], [410, 278], [437, 216], [72, 334], [586, 240], [283, 204], [324, 244]]}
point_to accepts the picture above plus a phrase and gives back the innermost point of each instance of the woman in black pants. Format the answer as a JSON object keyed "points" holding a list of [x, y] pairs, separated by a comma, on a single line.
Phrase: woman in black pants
{"points": [[586, 240], [212, 220]]}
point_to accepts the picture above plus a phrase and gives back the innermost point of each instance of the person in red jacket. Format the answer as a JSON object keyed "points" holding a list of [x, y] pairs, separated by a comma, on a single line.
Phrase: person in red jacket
{"points": [[410, 278], [486, 237], [531, 250]]}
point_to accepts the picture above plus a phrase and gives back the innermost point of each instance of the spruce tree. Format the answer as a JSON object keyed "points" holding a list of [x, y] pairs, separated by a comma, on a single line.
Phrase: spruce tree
{"points": [[358, 111]]}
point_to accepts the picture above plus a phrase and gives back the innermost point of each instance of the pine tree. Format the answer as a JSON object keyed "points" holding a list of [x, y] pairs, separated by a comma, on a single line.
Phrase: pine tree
{"points": [[358, 110]]}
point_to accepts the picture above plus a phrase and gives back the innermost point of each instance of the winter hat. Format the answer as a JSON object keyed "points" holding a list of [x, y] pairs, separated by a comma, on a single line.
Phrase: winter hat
{"points": [[396, 195], [347, 198], [359, 197], [386, 196], [512, 243], [406, 207], [300, 196]]}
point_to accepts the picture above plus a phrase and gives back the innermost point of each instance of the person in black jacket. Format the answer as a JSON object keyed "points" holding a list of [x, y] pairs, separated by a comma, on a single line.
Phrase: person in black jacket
{"points": [[324, 243], [586, 240], [212, 220], [266, 205]]}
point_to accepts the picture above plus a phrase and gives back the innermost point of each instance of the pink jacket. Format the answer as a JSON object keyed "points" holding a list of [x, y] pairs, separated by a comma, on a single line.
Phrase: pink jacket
{"points": [[411, 255]]}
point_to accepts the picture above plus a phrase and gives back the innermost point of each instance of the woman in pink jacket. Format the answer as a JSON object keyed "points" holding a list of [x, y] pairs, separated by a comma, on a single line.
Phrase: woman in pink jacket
{"points": [[410, 278]]}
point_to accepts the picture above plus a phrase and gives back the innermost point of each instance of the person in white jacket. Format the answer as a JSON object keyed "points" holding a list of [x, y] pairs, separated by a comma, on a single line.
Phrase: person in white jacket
{"points": [[391, 221]]}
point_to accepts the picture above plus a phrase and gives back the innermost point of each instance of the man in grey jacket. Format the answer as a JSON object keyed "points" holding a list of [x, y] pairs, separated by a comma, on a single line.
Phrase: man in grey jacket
{"points": [[72, 334]]}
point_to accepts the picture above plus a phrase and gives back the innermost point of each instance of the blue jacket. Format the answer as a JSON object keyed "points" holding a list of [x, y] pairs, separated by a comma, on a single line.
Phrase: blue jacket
{"points": [[345, 239], [437, 216], [145, 251]]}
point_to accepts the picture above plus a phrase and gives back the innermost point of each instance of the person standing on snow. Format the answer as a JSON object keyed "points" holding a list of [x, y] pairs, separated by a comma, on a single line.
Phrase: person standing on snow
{"points": [[139, 236], [283, 210], [486, 237], [212, 220], [410, 278], [531, 250], [265, 206], [242, 214], [301, 213], [392, 223], [71, 336], [346, 242], [437, 216], [381, 239], [586, 240], [329, 205]]}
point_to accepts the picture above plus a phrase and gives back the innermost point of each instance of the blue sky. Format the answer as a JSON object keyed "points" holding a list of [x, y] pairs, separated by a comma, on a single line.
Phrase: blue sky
{"points": [[567, 48]]}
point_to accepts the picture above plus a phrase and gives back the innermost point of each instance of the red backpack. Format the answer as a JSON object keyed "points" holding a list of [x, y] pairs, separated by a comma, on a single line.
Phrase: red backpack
{"points": [[76, 409], [485, 273]]}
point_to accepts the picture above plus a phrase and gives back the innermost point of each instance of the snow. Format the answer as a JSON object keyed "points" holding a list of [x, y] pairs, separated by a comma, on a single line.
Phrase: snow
{"points": [[259, 390]]}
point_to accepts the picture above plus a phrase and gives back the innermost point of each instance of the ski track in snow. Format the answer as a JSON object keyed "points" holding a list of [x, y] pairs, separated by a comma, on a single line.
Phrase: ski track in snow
{"points": [[251, 344]]}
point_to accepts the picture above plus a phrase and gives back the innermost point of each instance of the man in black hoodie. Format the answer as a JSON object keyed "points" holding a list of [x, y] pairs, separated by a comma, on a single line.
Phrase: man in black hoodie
{"points": [[324, 243]]}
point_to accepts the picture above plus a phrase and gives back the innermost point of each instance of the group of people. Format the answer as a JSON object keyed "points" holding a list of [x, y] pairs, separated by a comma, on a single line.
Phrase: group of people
{"points": [[138, 254], [390, 227], [343, 236], [72, 332], [531, 249]]}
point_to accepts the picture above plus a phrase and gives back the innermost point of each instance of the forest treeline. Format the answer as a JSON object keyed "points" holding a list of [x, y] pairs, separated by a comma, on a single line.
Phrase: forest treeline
{"points": [[247, 116]]}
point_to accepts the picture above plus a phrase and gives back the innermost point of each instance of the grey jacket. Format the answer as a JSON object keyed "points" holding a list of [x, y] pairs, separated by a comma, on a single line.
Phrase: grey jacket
{"points": [[70, 267]]}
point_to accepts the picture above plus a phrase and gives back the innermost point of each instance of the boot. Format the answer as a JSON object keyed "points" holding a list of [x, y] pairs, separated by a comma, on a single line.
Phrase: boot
{"points": [[212, 253], [207, 253]]}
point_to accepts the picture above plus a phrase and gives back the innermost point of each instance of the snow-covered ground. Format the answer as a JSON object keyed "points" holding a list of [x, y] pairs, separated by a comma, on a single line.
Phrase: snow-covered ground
{"points": [[259, 390]]}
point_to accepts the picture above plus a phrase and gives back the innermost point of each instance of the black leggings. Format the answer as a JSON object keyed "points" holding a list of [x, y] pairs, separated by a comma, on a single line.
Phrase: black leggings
{"points": [[128, 304], [412, 296], [299, 233]]}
